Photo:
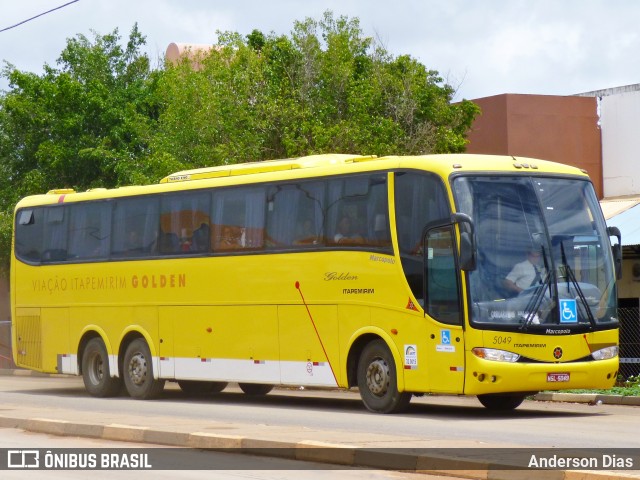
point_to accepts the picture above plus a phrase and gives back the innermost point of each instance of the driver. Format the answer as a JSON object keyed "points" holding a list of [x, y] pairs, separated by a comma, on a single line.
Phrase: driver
{"points": [[524, 274]]}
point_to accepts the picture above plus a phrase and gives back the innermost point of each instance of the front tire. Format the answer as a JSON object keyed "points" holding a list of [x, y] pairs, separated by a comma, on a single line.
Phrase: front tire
{"points": [[501, 403], [95, 370], [256, 389], [138, 372], [378, 382]]}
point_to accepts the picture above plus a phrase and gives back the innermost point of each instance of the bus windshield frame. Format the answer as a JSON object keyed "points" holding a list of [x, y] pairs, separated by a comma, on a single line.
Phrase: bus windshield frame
{"points": [[544, 262]]}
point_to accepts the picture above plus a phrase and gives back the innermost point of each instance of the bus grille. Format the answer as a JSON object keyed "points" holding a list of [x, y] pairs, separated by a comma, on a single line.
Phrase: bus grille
{"points": [[29, 341]]}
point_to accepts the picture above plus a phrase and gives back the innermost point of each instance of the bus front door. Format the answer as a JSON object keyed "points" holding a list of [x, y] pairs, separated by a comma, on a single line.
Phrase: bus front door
{"points": [[443, 311]]}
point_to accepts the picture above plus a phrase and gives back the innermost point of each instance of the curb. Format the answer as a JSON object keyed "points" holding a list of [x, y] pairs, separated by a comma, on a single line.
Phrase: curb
{"points": [[336, 455]]}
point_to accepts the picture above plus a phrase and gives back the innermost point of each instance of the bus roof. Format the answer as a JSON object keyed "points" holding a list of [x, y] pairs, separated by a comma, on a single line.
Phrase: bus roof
{"points": [[265, 166], [310, 167], [459, 162]]}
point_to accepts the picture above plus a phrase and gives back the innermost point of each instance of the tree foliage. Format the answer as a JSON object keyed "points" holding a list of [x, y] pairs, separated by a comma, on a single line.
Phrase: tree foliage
{"points": [[324, 88], [87, 122], [103, 117]]}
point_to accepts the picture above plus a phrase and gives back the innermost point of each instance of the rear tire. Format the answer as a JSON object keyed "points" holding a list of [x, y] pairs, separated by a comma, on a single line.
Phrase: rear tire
{"points": [[501, 403], [194, 387], [138, 372], [257, 389], [95, 370], [378, 382]]}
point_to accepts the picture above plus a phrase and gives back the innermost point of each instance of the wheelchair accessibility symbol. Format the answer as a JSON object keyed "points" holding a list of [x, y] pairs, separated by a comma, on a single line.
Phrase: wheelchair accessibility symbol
{"points": [[568, 311]]}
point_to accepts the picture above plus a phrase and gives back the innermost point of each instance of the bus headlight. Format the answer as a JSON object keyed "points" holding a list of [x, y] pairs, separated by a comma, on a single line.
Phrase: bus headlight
{"points": [[495, 355], [605, 353]]}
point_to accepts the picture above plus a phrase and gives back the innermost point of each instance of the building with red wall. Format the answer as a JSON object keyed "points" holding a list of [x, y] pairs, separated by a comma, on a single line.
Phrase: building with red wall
{"points": [[557, 128]]}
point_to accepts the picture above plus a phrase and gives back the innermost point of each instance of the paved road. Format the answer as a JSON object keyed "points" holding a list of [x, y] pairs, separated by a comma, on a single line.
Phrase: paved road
{"points": [[301, 418], [431, 420]]}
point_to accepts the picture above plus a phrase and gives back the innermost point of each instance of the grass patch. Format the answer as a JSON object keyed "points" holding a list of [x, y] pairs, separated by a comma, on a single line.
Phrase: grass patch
{"points": [[627, 388]]}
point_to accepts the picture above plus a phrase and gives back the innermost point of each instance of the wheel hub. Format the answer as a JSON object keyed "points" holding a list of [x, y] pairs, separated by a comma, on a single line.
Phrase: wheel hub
{"points": [[97, 369], [138, 369], [378, 377]]}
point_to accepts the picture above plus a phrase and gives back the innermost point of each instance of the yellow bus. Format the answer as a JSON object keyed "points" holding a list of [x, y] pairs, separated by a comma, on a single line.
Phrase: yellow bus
{"points": [[396, 275]]}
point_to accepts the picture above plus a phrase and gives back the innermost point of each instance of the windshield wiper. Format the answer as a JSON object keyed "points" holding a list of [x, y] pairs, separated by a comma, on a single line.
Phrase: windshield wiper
{"points": [[533, 307], [571, 279]]}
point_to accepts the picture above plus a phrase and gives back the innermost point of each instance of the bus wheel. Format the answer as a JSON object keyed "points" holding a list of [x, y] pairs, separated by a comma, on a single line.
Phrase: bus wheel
{"points": [[138, 372], [95, 370], [377, 380], [501, 403], [255, 388], [192, 387]]}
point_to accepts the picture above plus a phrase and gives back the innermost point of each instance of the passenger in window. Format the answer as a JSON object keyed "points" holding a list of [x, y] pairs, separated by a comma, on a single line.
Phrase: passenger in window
{"points": [[134, 241], [200, 238], [185, 241], [169, 242], [345, 233], [230, 238], [306, 234]]}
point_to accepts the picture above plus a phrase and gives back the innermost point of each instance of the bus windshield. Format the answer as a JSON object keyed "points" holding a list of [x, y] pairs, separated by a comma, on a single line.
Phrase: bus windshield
{"points": [[544, 256]]}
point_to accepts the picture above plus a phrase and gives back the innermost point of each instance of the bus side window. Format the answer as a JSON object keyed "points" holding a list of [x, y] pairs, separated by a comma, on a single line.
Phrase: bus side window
{"points": [[357, 212], [238, 218], [184, 223], [135, 227], [419, 200], [29, 229], [295, 215], [442, 302], [56, 230], [379, 232], [90, 230]]}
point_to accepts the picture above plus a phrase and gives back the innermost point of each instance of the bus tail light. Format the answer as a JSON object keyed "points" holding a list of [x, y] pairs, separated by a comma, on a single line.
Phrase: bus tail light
{"points": [[495, 355]]}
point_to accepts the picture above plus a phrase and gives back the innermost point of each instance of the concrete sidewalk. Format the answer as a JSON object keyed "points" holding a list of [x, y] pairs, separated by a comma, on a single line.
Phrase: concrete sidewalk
{"points": [[459, 458]]}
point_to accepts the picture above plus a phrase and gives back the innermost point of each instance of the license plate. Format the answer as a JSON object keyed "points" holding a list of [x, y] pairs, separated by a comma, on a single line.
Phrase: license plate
{"points": [[558, 377]]}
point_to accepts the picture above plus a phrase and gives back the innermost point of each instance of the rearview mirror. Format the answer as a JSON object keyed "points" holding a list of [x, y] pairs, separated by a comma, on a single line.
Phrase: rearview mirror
{"points": [[616, 250], [467, 256]]}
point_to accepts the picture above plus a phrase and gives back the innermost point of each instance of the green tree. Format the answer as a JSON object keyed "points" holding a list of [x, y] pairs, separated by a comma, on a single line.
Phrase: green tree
{"points": [[210, 114], [324, 88], [103, 118], [85, 123]]}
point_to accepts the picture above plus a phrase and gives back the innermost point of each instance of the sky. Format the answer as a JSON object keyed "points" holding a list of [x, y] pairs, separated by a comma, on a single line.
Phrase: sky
{"points": [[480, 47]]}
